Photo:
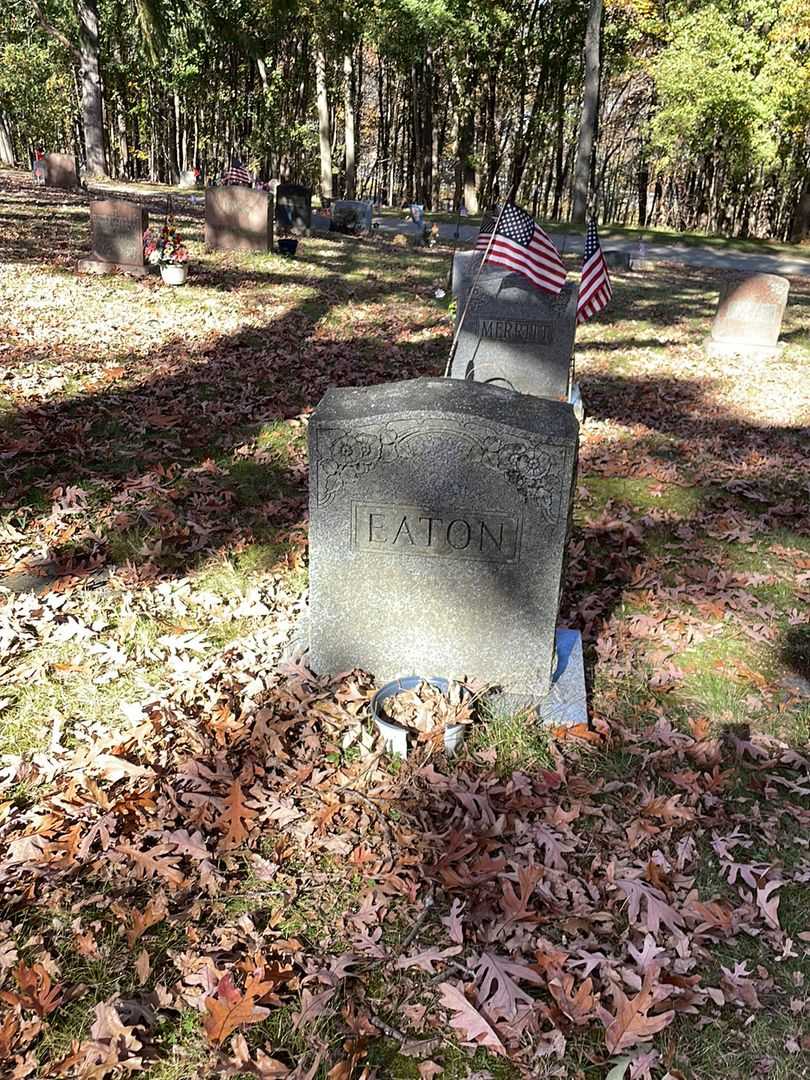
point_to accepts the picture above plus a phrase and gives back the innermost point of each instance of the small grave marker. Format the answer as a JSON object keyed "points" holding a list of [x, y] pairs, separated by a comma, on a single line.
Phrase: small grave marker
{"points": [[352, 215], [749, 316]]}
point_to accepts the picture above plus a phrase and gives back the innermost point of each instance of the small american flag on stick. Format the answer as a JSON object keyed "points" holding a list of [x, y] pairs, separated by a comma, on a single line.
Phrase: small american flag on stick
{"points": [[520, 244], [594, 287]]}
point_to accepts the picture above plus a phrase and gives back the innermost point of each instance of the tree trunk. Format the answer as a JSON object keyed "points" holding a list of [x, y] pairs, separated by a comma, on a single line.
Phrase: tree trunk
{"points": [[800, 228], [351, 164], [323, 127], [92, 100], [6, 144], [590, 110]]}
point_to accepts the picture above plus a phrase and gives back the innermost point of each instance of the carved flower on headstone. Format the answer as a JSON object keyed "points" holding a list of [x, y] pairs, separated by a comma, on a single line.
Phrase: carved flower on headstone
{"points": [[350, 454], [529, 469]]}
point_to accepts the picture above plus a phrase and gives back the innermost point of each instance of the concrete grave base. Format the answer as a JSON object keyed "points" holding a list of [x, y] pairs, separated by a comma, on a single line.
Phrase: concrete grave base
{"points": [[99, 266], [565, 705], [723, 349], [637, 263]]}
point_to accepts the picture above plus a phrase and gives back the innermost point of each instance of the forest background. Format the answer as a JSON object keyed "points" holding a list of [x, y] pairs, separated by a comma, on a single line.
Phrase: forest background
{"points": [[658, 113]]}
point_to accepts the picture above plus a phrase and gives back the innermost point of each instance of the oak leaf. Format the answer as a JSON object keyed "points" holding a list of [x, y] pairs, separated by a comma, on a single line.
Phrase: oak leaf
{"points": [[236, 818], [499, 992], [631, 1024], [579, 1007], [468, 1020], [231, 1009]]}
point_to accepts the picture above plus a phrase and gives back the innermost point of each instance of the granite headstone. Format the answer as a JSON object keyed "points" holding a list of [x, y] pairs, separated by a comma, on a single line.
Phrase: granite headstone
{"points": [[439, 511], [237, 218], [116, 231], [513, 335], [352, 215], [294, 207], [749, 316], [60, 171]]}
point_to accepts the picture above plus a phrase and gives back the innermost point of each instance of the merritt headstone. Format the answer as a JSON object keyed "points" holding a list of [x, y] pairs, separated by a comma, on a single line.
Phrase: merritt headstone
{"points": [[60, 171], [749, 316], [116, 231], [352, 215], [294, 207], [513, 334], [238, 218], [439, 511]]}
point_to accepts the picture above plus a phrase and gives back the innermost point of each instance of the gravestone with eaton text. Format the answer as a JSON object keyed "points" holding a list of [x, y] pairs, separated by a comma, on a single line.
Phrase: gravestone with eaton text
{"points": [[749, 316], [439, 511], [116, 237], [513, 334], [238, 218]]}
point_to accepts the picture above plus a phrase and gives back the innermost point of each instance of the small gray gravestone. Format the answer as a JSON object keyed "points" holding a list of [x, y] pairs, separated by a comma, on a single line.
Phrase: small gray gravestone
{"points": [[116, 232], [617, 260], [188, 179], [749, 316], [439, 512], [513, 334], [60, 171], [352, 215], [237, 218], [294, 207]]}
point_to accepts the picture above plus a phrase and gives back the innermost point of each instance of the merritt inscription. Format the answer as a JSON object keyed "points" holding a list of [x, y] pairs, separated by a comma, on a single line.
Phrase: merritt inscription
{"points": [[412, 530], [524, 330]]}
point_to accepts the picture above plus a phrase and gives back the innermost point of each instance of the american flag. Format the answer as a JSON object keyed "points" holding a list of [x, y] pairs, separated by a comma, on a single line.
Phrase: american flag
{"points": [[237, 174], [594, 287], [521, 245]]}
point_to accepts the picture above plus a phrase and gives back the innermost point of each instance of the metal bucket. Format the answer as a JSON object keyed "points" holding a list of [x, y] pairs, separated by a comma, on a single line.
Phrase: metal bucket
{"points": [[395, 736]]}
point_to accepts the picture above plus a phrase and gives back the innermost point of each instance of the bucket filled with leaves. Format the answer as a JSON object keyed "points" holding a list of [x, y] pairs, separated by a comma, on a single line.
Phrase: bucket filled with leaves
{"points": [[430, 710]]}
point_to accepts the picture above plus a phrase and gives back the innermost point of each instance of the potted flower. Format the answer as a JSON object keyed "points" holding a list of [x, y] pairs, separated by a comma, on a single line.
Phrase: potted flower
{"points": [[167, 250]]}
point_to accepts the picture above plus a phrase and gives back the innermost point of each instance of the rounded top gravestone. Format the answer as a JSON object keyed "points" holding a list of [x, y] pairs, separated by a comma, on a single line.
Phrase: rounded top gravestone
{"points": [[749, 316]]}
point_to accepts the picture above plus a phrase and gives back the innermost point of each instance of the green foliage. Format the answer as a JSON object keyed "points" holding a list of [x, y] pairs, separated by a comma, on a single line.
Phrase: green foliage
{"points": [[710, 99]]}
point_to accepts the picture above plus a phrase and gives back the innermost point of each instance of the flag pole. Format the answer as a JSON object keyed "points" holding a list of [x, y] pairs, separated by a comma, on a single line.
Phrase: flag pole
{"points": [[493, 234]]}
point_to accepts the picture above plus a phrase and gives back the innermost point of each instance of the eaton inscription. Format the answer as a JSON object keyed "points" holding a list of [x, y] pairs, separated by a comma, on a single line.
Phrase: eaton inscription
{"points": [[526, 331], [394, 529]]}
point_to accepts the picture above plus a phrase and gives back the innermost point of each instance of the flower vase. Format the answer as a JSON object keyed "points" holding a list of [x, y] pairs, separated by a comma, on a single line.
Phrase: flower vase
{"points": [[174, 273]]}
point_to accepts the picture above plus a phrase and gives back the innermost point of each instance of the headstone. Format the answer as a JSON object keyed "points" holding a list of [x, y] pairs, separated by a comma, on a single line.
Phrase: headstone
{"points": [[418, 213], [60, 171], [513, 334], [439, 511], [294, 201], [238, 218], [617, 260], [188, 179], [352, 215], [116, 236], [749, 316]]}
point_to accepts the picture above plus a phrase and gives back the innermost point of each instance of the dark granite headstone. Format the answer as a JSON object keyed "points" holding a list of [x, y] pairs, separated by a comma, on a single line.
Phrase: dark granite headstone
{"points": [[237, 218], [439, 511], [749, 316], [352, 215], [513, 334], [116, 231], [294, 207], [60, 171]]}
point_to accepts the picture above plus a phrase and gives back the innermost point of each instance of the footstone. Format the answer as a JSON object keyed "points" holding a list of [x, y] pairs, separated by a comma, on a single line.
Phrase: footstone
{"points": [[60, 171], [352, 215], [294, 207], [237, 218], [749, 316], [513, 335], [439, 512], [116, 231]]}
